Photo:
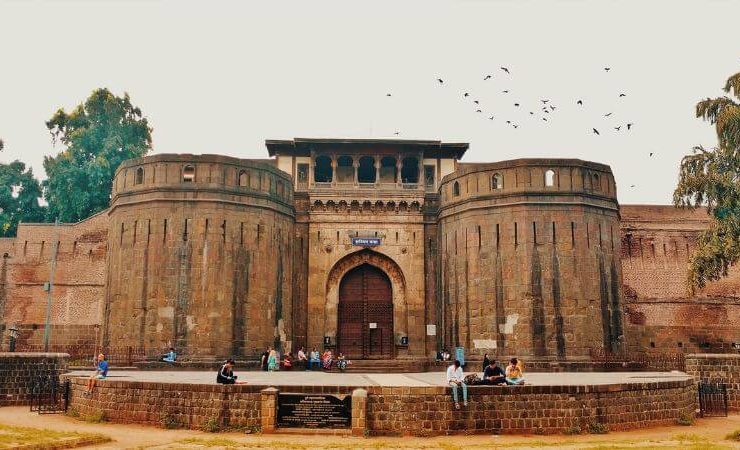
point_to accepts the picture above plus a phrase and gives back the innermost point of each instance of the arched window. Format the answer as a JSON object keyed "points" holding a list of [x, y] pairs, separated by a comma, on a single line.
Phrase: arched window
{"points": [[139, 176], [595, 179], [410, 170], [366, 170], [323, 172], [388, 169], [243, 179], [345, 170], [456, 189], [550, 178], [188, 174], [497, 181]]}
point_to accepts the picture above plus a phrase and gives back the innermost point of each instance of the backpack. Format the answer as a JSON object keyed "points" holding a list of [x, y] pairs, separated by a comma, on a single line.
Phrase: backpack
{"points": [[472, 379]]}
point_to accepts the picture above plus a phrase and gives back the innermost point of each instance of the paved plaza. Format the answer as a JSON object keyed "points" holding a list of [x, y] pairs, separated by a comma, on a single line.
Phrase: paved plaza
{"points": [[317, 378]]}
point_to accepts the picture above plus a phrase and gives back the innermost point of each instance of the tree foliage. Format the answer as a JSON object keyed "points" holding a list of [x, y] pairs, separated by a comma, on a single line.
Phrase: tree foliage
{"points": [[98, 135], [711, 178], [19, 197]]}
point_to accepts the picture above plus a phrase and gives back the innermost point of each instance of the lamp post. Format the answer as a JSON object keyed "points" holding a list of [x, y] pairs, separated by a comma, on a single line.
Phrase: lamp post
{"points": [[13, 336]]}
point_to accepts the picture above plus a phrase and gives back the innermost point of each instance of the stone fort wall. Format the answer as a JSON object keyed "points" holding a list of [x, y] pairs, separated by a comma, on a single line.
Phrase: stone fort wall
{"points": [[528, 268], [492, 271], [662, 311], [200, 256]]}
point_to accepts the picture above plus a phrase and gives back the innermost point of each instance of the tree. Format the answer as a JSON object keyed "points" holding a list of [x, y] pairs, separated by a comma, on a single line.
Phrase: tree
{"points": [[98, 134], [19, 197], [711, 178]]}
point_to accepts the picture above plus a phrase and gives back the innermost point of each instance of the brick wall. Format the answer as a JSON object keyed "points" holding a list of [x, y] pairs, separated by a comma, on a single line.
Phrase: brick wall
{"points": [[718, 368], [403, 410], [18, 369]]}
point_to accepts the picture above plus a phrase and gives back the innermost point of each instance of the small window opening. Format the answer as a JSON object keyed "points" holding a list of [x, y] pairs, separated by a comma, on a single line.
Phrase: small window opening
{"points": [[550, 178], [188, 174], [456, 189], [497, 181], [139, 176], [243, 179]]}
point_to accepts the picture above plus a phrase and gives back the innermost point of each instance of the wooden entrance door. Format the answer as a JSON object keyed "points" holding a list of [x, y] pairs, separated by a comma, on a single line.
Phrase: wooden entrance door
{"points": [[365, 314]]}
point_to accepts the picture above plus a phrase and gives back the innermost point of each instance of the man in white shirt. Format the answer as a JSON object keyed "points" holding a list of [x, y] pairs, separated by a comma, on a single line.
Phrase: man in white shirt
{"points": [[302, 359], [455, 379]]}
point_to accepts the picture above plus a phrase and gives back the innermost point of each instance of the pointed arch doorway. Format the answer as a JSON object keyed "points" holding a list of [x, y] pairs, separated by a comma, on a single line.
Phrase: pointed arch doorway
{"points": [[365, 328]]}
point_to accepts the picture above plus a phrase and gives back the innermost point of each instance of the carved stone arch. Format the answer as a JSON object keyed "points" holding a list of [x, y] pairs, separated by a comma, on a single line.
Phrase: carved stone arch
{"points": [[415, 206], [317, 206], [367, 205], [355, 205], [390, 206], [382, 262], [403, 206]]}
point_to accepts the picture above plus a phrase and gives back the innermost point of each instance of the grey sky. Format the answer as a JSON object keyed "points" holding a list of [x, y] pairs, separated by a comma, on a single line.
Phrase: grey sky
{"points": [[221, 77]]}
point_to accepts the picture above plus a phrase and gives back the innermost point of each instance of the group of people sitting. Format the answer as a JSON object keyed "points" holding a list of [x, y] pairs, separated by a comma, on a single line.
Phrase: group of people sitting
{"points": [[493, 375], [324, 360]]}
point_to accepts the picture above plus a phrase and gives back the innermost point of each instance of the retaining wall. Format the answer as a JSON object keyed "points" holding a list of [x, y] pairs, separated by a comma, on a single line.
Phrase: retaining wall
{"points": [[420, 411], [18, 369], [718, 368]]}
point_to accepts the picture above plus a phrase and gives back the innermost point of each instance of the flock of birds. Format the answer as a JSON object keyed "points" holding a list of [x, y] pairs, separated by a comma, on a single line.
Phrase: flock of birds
{"points": [[544, 112]]}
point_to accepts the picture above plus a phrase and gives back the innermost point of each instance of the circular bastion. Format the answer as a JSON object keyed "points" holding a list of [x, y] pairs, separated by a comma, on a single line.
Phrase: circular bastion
{"points": [[199, 256]]}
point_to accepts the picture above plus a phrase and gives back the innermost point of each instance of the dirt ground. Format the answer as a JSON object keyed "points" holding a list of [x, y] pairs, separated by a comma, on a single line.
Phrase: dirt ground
{"points": [[704, 434]]}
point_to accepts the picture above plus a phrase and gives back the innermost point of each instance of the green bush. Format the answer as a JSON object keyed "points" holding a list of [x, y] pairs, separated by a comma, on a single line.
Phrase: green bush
{"points": [[685, 419], [734, 436], [212, 425], [598, 428], [96, 416], [573, 430], [170, 422]]}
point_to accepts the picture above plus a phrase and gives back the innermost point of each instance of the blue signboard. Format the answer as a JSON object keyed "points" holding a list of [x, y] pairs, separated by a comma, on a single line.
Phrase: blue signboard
{"points": [[366, 242]]}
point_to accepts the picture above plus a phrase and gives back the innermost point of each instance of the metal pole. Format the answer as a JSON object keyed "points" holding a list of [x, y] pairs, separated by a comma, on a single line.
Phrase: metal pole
{"points": [[47, 325]]}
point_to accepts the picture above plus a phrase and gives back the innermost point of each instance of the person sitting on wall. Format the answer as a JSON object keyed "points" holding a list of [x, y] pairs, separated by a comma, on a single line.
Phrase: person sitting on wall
{"points": [[515, 372], [263, 359], [288, 362], [226, 375], [101, 373], [302, 359], [342, 362], [493, 374], [272, 361], [327, 359], [455, 379], [314, 360], [170, 357]]}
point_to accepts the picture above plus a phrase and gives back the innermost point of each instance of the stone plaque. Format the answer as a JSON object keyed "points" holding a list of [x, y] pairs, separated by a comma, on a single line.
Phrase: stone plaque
{"points": [[314, 411], [365, 241]]}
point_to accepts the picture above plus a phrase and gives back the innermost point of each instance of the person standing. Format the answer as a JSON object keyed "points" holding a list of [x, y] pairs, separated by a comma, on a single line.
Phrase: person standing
{"points": [[263, 359], [455, 380], [486, 362], [272, 361]]}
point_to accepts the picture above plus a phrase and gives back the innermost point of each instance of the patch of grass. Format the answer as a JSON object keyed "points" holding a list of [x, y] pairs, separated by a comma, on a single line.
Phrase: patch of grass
{"points": [[212, 425], [39, 439], [685, 419], [96, 416], [213, 442], [688, 437], [570, 431], [734, 436]]}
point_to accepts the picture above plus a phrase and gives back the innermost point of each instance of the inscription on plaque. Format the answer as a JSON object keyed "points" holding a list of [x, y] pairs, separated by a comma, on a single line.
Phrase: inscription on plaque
{"points": [[314, 411]]}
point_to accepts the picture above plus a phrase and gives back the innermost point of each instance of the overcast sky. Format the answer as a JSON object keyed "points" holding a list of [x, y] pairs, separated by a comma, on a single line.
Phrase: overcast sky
{"points": [[221, 77]]}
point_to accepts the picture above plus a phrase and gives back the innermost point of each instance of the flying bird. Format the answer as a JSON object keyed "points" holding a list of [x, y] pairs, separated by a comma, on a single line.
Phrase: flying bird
{"points": [[478, 110], [387, 95], [396, 133], [531, 113], [505, 92], [508, 121], [515, 126], [516, 104], [629, 125], [490, 118], [552, 108], [632, 185], [579, 102], [595, 131], [476, 102], [544, 101], [617, 128], [488, 77], [441, 81], [607, 69], [505, 69], [465, 94], [651, 154], [545, 119], [607, 115], [622, 95]]}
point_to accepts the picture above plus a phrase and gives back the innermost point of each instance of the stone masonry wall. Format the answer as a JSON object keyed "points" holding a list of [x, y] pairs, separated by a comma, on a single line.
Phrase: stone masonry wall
{"points": [[529, 269], [662, 313], [18, 369], [715, 368], [421, 411], [79, 282]]}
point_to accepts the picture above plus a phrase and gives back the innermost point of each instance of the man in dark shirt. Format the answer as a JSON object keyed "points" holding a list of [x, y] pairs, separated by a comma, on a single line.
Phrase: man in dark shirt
{"points": [[494, 375], [263, 359]]}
